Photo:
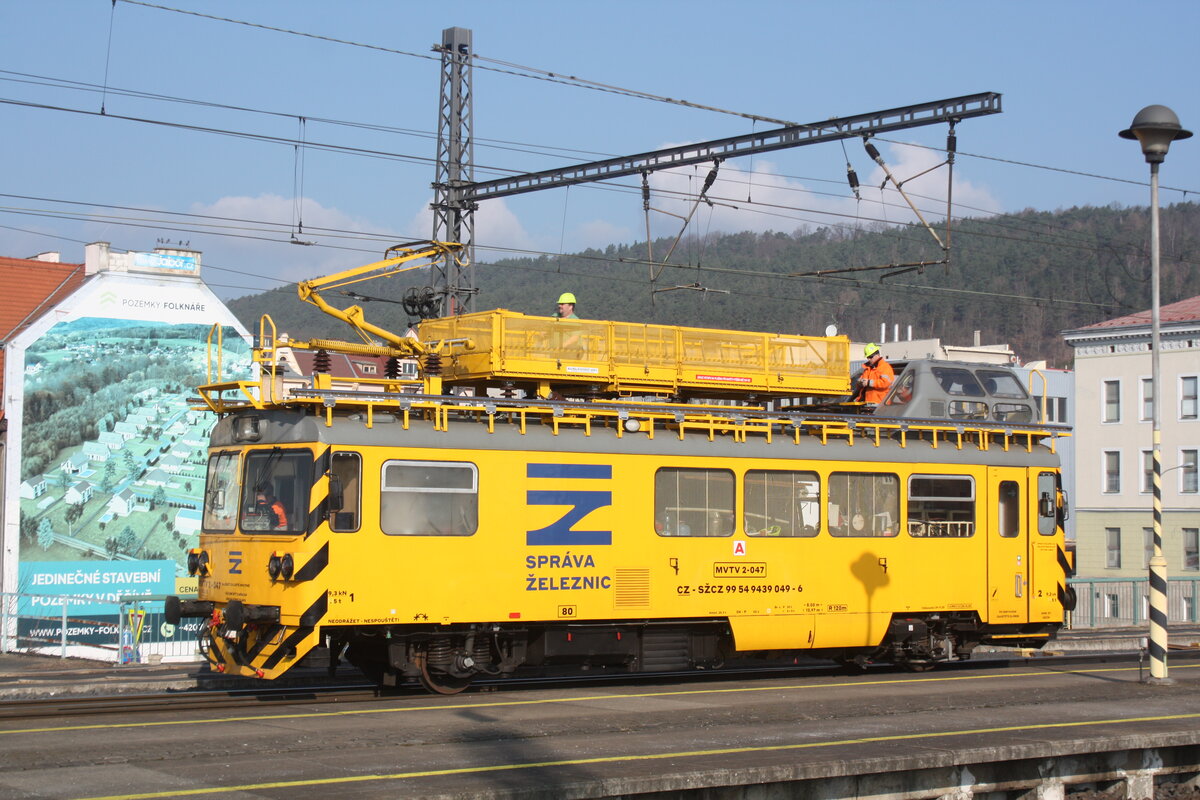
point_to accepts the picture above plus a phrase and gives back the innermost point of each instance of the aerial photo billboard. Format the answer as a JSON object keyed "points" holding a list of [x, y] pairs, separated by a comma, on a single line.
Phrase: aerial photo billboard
{"points": [[111, 448]]}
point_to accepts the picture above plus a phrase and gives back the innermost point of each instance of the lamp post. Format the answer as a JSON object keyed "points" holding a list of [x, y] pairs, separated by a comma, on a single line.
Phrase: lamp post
{"points": [[1155, 127]]}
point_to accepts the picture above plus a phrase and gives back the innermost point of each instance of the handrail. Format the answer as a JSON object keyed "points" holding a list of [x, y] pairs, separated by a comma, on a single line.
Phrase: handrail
{"points": [[1045, 388]]}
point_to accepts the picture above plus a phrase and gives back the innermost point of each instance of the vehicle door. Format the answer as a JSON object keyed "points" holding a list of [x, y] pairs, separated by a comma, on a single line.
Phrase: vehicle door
{"points": [[1046, 570], [1008, 546]]}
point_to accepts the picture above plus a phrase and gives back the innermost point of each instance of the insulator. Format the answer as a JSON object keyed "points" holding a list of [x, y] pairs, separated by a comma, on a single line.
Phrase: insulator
{"points": [[871, 151], [508, 391], [433, 364], [322, 362], [392, 368], [712, 177], [951, 142], [852, 176], [645, 191]]}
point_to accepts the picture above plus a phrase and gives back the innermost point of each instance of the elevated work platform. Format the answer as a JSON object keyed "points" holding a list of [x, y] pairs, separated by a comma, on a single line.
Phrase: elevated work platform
{"points": [[625, 358]]}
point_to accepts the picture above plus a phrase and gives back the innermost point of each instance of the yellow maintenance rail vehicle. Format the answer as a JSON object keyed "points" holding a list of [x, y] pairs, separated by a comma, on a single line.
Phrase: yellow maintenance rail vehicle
{"points": [[551, 495]]}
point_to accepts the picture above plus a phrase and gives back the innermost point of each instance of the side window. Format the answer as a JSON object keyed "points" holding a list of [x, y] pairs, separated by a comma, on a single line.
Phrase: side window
{"points": [[902, 392], [221, 492], [693, 502], [275, 490], [1012, 412], [999, 383], [967, 409], [1047, 489], [958, 381], [782, 503], [429, 498], [1009, 509], [864, 504], [941, 506], [345, 492]]}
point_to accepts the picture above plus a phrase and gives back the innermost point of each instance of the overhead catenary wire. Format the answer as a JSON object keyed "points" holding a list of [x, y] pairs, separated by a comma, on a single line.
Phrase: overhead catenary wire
{"points": [[756, 210], [610, 185]]}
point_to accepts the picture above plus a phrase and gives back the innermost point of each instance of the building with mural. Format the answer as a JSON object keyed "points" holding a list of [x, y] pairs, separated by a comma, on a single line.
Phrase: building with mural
{"points": [[104, 449]]}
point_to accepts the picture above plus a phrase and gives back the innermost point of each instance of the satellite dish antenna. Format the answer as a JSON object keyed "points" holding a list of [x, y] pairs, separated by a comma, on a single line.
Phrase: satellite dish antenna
{"points": [[831, 330]]}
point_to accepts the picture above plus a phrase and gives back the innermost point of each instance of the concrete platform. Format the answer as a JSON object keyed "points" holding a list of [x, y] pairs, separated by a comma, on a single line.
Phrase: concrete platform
{"points": [[1039, 728]]}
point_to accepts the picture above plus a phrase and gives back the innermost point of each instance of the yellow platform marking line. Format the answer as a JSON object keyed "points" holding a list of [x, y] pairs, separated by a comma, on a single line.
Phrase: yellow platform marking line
{"points": [[571, 762], [584, 699]]}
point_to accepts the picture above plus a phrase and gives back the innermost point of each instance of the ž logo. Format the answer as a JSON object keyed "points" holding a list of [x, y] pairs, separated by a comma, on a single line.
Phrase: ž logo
{"points": [[581, 502]]}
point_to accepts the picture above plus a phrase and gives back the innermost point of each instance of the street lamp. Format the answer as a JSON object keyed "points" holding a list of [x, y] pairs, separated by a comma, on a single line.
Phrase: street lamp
{"points": [[1155, 127]]}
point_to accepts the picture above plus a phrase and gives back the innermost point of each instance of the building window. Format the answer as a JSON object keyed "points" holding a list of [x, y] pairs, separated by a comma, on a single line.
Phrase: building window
{"points": [[1147, 399], [693, 502], [1147, 471], [1056, 409], [780, 503], [1191, 549], [1148, 544], [1188, 470], [1112, 544], [1112, 605], [1112, 402], [1112, 472], [1187, 397]]}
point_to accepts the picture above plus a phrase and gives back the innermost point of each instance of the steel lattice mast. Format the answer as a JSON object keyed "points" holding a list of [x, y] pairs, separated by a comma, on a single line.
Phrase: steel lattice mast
{"points": [[453, 215], [457, 195]]}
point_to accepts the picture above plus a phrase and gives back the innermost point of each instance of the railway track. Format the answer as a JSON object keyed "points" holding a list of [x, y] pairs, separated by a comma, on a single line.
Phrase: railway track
{"points": [[342, 691]]}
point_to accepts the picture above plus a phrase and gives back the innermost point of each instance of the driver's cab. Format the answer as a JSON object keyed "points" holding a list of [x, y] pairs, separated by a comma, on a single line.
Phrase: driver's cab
{"points": [[266, 491], [931, 389]]}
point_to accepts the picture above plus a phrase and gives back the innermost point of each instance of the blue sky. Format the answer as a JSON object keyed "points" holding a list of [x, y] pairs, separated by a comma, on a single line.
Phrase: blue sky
{"points": [[1071, 74]]}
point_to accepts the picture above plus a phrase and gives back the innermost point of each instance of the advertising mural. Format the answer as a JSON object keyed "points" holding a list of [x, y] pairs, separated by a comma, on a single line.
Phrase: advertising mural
{"points": [[112, 454]]}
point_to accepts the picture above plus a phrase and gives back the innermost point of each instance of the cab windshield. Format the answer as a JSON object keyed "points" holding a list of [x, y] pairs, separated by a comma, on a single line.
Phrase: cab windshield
{"points": [[221, 492], [275, 489]]}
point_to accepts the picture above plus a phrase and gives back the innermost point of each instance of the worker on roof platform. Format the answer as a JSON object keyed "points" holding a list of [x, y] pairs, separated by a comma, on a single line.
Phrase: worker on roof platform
{"points": [[877, 376], [566, 306]]}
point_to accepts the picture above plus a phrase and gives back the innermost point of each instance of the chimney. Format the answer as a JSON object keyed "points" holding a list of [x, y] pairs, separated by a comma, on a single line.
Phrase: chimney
{"points": [[95, 258]]}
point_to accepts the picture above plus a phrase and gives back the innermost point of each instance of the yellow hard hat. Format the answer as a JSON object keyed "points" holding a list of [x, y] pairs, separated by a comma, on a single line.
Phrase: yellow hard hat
{"points": [[566, 297], [870, 350]]}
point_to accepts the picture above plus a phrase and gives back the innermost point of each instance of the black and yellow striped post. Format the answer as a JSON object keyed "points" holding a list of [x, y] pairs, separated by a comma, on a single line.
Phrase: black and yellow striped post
{"points": [[1155, 127]]}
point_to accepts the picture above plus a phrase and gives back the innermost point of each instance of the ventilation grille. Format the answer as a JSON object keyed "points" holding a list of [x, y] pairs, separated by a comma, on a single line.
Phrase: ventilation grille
{"points": [[632, 587]]}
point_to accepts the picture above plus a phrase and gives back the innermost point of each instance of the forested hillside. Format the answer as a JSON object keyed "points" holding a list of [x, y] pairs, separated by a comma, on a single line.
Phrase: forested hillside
{"points": [[1020, 279]]}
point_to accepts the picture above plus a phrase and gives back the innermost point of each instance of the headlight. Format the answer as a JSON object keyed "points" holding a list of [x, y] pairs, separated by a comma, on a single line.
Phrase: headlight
{"points": [[274, 565], [246, 429], [287, 566]]}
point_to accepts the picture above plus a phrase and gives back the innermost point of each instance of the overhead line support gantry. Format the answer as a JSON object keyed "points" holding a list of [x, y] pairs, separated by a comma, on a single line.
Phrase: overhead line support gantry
{"points": [[458, 198]]}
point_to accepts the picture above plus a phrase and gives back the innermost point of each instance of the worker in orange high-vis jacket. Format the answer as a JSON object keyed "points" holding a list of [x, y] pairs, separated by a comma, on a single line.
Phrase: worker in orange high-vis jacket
{"points": [[877, 376]]}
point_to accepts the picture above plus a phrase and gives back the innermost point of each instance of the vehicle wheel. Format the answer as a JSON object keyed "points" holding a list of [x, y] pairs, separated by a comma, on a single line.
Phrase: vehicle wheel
{"points": [[439, 682]]}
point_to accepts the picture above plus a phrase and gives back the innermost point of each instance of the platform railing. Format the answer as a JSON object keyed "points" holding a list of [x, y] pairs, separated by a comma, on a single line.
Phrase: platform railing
{"points": [[1124, 602], [132, 630]]}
